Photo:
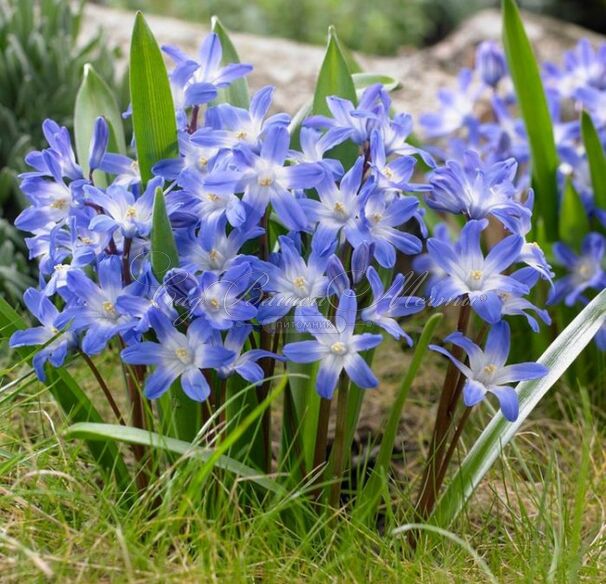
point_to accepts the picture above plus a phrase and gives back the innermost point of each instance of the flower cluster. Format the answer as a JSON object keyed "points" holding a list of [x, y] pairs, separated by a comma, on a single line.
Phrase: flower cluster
{"points": [[273, 229], [482, 115]]}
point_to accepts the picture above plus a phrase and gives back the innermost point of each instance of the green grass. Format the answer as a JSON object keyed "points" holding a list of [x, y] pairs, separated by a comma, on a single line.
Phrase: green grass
{"points": [[533, 520]]}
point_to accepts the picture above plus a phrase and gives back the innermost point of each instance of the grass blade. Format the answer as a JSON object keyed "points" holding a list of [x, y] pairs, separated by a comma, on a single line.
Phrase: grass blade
{"points": [[74, 403], [154, 123], [237, 93], [596, 159], [130, 435], [369, 498], [558, 357], [533, 105]]}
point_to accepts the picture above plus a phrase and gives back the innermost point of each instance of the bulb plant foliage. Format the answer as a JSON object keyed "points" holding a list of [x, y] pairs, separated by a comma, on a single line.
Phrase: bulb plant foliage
{"points": [[234, 254]]}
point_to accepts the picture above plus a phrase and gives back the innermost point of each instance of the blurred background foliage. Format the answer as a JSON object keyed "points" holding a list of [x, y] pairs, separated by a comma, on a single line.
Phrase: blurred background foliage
{"points": [[377, 26], [41, 64]]}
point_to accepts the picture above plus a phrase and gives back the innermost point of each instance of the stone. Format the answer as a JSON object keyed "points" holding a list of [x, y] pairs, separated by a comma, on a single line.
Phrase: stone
{"points": [[292, 67]]}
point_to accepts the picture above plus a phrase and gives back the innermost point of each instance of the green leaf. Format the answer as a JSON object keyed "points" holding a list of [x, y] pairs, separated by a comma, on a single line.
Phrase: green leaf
{"points": [[130, 435], [74, 403], [367, 502], [95, 99], [154, 123], [237, 93], [335, 79], [596, 159], [364, 80], [483, 454], [164, 254], [574, 223], [533, 105]]}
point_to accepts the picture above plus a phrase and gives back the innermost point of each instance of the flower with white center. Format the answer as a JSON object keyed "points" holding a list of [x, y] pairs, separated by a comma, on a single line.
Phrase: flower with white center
{"points": [[177, 355], [337, 348], [487, 371]]}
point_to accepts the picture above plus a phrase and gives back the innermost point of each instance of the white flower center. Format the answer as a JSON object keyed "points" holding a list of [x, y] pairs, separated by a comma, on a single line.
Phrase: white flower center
{"points": [[131, 213], [265, 180], [183, 355], [109, 309], [338, 348], [60, 204]]}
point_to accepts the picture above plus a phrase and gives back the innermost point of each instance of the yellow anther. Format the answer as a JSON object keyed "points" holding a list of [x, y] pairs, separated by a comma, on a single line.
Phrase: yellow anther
{"points": [[299, 282], [182, 354], [490, 369], [131, 212], [476, 275], [60, 204], [265, 181], [212, 197], [110, 309]]}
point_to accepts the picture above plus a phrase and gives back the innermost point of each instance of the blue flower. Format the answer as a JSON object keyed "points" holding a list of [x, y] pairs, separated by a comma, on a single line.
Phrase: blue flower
{"points": [[244, 364], [293, 283], [122, 210], [336, 212], [196, 82], [584, 270], [487, 372], [95, 310], [227, 126], [358, 120], [469, 273], [336, 347], [264, 178], [219, 299], [490, 63], [456, 109], [387, 306], [57, 343], [177, 355], [477, 190], [314, 146], [380, 225]]}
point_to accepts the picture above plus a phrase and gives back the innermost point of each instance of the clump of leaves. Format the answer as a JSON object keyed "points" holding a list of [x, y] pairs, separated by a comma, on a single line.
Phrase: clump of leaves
{"points": [[41, 63]]}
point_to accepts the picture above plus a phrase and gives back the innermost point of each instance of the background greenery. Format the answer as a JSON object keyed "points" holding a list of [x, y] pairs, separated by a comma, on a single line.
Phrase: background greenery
{"points": [[41, 63], [380, 26]]}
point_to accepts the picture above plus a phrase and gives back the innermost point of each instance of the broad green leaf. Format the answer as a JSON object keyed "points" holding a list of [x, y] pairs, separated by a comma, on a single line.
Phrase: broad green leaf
{"points": [[364, 80], [164, 254], [237, 93], [131, 435], [154, 123], [596, 159], [95, 99], [74, 403], [533, 105], [369, 498], [574, 223], [499, 432], [335, 79]]}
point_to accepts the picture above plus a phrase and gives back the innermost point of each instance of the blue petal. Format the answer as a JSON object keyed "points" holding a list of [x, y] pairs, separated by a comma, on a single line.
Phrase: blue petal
{"points": [[359, 372], [195, 385], [487, 305], [508, 400], [473, 392], [146, 353], [304, 351], [328, 375], [160, 380]]}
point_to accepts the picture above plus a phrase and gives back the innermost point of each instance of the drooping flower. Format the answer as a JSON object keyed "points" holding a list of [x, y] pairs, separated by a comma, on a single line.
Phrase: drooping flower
{"points": [[177, 356], [487, 372], [477, 190], [337, 348]]}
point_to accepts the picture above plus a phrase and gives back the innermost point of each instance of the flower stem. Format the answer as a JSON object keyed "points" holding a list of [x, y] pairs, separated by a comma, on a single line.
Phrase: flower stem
{"points": [[429, 484], [104, 388], [339, 460]]}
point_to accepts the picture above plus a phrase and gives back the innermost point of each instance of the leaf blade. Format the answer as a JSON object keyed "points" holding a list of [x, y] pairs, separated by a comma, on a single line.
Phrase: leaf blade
{"points": [[595, 158], [154, 123], [533, 105]]}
